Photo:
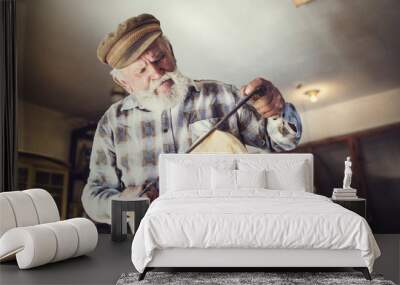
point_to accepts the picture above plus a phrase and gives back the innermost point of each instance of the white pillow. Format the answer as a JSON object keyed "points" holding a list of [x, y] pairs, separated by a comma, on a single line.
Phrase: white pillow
{"points": [[182, 177], [226, 179], [223, 179], [251, 178], [281, 175], [292, 179], [186, 173]]}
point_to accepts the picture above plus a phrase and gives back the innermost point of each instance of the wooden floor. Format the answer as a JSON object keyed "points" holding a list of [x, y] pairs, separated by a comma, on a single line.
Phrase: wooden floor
{"points": [[389, 262], [110, 260]]}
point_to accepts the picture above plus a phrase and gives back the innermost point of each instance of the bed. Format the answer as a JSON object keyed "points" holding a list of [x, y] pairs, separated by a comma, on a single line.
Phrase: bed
{"points": [[247, 210]]}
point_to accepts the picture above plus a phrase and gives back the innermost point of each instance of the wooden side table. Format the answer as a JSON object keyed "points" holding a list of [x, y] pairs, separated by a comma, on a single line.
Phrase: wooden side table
{"points": [[357, 205], [119, 207]]}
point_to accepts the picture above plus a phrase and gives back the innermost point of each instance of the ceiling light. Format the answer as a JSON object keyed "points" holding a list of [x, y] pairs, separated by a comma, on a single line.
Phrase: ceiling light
{"points": [[298, 3], [312, 94]]}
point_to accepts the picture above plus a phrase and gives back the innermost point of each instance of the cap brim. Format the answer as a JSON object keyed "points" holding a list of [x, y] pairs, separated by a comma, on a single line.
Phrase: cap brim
{"points": [[138, 51]]}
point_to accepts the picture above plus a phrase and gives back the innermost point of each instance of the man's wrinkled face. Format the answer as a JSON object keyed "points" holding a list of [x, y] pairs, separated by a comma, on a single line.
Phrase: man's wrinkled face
{"points": [[147, 71]]}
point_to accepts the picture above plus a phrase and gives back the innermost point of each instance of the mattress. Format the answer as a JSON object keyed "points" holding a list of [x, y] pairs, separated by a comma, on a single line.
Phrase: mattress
{"points": [[250, 219]]}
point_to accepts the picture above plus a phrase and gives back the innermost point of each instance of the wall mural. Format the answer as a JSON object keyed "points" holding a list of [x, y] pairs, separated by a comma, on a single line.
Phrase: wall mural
{"points": [[157, 108], [167, 112]]}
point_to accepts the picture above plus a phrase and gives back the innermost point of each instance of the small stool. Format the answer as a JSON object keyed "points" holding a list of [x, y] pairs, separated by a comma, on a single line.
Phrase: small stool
{"points": [[119, 207]]}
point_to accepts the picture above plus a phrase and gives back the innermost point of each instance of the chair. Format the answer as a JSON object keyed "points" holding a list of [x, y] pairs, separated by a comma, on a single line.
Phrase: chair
{"points": [[31, 231]]}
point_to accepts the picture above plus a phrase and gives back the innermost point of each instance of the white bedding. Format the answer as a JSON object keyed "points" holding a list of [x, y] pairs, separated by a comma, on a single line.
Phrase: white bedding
{"points": [[252, 218]]}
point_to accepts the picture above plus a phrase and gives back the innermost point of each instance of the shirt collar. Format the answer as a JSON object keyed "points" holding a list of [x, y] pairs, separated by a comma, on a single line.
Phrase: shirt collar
{"points": [[130, 101], [195, 85]]}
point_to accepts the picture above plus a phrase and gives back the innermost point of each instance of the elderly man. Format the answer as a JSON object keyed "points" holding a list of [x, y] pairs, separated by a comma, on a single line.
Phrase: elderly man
{"points": [[164, 113]]}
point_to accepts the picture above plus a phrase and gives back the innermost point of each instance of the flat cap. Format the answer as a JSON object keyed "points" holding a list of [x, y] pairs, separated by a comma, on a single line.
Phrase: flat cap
{"points": [[131, 38]]}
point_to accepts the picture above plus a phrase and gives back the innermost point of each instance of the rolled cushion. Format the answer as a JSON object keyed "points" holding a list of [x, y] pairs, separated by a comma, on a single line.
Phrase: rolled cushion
{"points": [[45, 205], [40, 244], [7, 218], [33, 246], [26, 208], [66, 238], [23, 208], [87, 235]]}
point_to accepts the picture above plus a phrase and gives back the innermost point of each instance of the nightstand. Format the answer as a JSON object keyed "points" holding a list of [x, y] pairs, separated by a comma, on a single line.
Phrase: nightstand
{"points": [[357, 205], [119, 207]]}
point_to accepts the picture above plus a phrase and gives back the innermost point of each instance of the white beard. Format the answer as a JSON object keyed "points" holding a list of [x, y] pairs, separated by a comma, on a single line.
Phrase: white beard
{"points": [[154, 102]]}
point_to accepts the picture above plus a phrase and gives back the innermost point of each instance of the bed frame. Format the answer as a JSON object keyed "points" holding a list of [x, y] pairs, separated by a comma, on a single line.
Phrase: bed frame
{"points": [[241, 259]]}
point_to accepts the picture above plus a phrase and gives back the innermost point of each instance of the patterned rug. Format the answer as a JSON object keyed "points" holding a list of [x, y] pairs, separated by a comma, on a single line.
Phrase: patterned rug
{"points": [[231, 278]]}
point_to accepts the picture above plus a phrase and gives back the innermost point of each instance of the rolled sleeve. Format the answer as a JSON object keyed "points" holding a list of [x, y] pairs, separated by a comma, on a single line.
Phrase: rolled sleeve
{"points": [[275, 134], [285, 131]]}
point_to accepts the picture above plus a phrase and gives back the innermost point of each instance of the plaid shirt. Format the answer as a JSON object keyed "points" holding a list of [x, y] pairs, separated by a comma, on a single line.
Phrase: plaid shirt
{"points": [[129, 138]]}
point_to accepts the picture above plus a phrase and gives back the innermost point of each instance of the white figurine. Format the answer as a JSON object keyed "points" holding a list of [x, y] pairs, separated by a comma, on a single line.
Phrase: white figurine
{"points": [[347, 174]]}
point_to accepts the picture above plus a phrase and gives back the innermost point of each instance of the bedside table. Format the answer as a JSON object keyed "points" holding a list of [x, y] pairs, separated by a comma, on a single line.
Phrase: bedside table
{"points": [[357, 205], [119, 207]]}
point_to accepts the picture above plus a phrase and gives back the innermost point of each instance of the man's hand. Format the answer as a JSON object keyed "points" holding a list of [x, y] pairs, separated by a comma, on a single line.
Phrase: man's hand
{"points": [[134, 191], [131, 192], [270, 103], [152, 192]]}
